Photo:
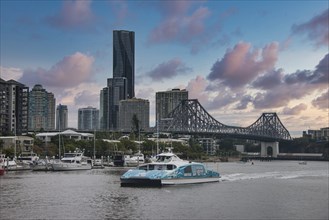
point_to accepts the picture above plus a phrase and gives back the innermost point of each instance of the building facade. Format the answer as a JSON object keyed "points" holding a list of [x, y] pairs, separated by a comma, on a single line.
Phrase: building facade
{"points": [[41, 109], [130, 107], [210, 145], [122, 85], [124, 58], [104, 109], [322, 134], [14, 101], [88, 119], [168, 100], [61, 117]]}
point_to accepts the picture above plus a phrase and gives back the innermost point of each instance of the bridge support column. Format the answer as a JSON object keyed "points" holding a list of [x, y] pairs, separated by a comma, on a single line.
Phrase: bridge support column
{"points": [[269, 149]]}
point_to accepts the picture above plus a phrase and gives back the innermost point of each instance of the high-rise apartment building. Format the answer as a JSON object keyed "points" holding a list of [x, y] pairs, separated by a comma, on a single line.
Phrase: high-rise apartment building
{"points": [[168, 100], [130, 107], [88, 118], [14, 101], [124, 58], [41, 109], [61, 117]]}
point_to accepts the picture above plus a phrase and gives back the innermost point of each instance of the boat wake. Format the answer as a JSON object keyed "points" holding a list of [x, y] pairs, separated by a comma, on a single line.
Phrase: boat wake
{"points": [[274, 175]]}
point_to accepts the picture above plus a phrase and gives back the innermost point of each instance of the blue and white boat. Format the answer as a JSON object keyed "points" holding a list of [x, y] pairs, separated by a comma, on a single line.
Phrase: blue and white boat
{"points": [[168, 169]]}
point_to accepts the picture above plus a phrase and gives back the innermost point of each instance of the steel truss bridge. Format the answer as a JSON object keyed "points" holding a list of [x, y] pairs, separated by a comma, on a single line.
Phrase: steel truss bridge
{"points": [[189, 117]]}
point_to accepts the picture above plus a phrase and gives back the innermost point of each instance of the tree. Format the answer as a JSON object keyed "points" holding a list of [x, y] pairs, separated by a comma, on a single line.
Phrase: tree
{"points": [[135, 124]]}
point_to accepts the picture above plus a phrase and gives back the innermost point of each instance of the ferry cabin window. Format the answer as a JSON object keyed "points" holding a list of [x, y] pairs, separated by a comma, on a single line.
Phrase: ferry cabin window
{"points": [[151, 167], [171, 167], [143, 167], [188, 171], [198, 170]]}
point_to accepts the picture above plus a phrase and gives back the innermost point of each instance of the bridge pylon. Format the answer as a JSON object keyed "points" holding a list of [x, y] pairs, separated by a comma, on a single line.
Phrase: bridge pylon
{"points": [[269, 149]]}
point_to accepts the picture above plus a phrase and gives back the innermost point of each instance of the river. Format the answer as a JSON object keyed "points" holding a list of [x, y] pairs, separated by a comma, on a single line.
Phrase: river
{"points": [[265, 190]]}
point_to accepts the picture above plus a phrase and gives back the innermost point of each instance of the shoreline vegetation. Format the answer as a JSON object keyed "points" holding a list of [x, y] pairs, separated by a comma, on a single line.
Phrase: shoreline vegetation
{"points": [[224, 150]]}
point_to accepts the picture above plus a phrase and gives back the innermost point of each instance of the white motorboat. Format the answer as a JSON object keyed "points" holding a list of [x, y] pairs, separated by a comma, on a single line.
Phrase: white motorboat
{"points": [[42, 165], [168, 169], [98, 164], [134, 160], [73, 161]]}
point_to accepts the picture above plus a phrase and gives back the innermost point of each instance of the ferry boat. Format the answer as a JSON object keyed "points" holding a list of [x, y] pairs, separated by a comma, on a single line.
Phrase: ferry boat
{"points": [[73, 161], [168, 169]]}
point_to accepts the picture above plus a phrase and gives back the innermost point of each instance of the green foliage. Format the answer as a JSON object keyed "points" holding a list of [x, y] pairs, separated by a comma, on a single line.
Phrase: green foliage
{"points": [[9, 152], [135, 124]]}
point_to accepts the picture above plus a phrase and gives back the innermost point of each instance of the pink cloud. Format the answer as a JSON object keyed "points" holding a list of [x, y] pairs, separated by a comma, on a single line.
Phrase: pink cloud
{"points": [[120, 9], [70, 71], [196, 89], [178, 24], [73, 14], [168, 69], [242, 65], [296, 110], [322, 102]]}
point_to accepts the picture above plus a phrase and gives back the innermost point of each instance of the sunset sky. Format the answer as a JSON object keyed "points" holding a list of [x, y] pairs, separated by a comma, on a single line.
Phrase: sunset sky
{"points": [[238, 58]]}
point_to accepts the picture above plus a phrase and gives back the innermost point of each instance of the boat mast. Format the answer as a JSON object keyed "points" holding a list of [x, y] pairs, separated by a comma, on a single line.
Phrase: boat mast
{"points": [[94, 143], [59, 136], [157, 136], [15, 140]]}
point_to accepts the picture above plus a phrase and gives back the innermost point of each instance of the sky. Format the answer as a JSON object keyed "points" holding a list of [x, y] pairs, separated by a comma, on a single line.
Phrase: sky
{"points": [[238, 58]]}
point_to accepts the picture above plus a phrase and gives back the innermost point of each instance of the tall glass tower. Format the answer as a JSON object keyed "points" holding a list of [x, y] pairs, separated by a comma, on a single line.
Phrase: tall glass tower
{"points": [[61, 117], [124, 58]]}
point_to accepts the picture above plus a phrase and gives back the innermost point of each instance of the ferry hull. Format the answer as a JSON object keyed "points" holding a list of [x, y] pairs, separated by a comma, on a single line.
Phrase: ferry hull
{"points": [[146, 182], [140, 182]]}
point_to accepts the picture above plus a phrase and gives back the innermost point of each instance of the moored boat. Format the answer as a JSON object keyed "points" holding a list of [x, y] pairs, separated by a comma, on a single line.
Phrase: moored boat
{"points": [[42, 165], [134, 160], [73, 161], [168, 169], [98, 164]]}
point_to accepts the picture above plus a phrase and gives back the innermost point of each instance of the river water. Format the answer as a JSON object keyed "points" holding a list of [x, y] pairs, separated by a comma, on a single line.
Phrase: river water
{"points": [[265, 190]]}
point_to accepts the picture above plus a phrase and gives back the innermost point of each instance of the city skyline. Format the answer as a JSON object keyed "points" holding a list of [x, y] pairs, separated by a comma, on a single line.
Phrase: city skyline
{"points": [[239, 59]]}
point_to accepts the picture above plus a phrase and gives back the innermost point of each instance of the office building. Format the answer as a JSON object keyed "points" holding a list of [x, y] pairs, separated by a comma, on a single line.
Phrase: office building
{"points": [[41, 109], [117, 91], [104, 109], [168, 100], [130, 107], [14, 101], [61, 117], [88, 119], [124, 58]]}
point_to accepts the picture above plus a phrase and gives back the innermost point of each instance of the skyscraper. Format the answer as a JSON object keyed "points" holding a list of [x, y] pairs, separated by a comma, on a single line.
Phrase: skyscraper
{"points": [[117, 91], [124, 58], [14, 101], [41, 109], [130, 107], [104, 109], [88, 118], [61, 117], [168, 100]]}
